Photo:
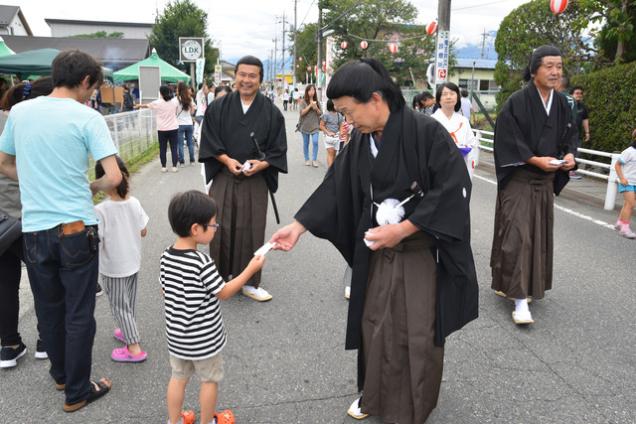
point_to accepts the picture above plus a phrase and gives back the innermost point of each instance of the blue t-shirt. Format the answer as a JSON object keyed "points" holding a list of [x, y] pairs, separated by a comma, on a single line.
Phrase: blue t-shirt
{"points": [[51, 139]]}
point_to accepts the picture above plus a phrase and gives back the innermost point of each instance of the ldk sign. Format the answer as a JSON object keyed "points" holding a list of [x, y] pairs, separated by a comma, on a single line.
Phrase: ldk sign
{"points": [[190, 49]]}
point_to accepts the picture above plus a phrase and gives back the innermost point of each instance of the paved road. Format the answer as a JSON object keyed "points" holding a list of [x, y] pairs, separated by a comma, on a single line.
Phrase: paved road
{"points": [[285, 361]]}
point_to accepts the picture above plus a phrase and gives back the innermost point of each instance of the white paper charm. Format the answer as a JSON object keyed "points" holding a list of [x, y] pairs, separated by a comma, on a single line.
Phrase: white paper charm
{"points": [[246, 167], [390, 211]]}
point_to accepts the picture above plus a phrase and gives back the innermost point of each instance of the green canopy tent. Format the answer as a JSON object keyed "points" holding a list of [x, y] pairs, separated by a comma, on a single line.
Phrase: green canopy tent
{"points": [[33, 63], [168, 72], [4, 49]]}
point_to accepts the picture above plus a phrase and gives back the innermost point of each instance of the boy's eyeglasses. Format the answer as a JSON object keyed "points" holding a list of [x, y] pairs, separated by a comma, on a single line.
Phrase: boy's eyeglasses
{"points": [[215, 226]]}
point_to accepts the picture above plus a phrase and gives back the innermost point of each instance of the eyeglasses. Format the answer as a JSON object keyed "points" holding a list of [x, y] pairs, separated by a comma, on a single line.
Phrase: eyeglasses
{"points": [[215, 226]]}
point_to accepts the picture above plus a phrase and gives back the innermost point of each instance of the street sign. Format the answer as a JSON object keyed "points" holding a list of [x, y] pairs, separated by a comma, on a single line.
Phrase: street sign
{"points": [[441, 57], [191, 49]]}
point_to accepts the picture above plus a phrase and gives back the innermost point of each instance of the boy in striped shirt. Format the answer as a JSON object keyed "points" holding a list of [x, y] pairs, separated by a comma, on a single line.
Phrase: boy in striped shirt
{"points": [[192, 288]]}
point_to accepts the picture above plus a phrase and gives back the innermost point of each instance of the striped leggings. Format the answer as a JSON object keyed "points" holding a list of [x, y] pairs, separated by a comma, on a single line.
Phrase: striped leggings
{"points": [[122, 295]]}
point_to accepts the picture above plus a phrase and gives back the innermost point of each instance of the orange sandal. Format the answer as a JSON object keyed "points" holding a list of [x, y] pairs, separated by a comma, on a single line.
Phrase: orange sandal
{"points": [[188, 417], [225, 417]]}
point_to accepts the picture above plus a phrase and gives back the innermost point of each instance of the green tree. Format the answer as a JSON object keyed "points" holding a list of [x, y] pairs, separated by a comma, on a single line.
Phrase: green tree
{"points": [[305, 49], [380, 22], [616, 41], [182, 18], [532, 25]]}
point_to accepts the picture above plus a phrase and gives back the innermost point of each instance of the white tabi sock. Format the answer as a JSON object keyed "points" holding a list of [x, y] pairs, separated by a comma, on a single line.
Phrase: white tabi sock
{"points": [[521, 305]]}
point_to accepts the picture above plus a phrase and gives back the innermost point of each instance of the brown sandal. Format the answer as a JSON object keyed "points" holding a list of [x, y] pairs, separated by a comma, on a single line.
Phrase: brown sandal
{"points": [[98, 389]]}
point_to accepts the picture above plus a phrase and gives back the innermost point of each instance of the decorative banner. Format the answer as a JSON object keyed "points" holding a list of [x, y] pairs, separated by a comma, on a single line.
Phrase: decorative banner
{"points": [[431, 28], [199, 70], [344, 45], [393, 48], [364, 45], [558, 6], [441, 57]]}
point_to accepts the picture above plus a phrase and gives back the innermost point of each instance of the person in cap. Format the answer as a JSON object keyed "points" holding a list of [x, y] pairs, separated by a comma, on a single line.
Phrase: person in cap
{"points": [[395, 203], [535, 143]]}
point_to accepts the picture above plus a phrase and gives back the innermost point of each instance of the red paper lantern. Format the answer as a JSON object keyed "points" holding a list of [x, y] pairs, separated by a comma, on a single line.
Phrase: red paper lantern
{"points": [[393, 48], [364, 44], [344, 45], [431, 28], [558, 6]]}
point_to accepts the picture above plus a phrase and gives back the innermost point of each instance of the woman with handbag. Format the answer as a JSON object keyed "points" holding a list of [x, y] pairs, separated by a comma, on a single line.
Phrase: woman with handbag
{"points": [[10, 259]]}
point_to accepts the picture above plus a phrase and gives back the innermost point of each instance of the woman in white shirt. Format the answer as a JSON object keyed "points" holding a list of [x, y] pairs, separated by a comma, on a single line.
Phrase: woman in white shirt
{"points": [[185, 111], [165, 109], [449, 103]]}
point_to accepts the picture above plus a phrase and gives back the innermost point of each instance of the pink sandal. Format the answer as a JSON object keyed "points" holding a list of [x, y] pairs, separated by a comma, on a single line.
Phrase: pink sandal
{"points": [[122, 354], [119, 335]]}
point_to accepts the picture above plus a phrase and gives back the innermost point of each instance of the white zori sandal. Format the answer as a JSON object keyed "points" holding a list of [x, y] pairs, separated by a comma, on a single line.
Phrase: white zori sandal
{"points": [[355, 412]]}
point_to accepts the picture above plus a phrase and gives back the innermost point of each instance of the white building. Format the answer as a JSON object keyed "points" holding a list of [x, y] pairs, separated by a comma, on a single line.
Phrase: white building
{"points": [[12, 22], [68, 28]]}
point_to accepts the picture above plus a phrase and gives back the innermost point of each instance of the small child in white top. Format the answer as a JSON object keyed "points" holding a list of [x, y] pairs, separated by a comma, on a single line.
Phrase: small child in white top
{"points": [[122, 224], [626, 171]]}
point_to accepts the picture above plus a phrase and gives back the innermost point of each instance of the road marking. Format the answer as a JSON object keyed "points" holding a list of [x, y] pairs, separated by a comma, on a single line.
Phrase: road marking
{"points": [[561, 208]]}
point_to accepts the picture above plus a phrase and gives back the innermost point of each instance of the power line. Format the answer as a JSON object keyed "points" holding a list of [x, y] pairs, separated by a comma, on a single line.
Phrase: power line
{"points": [[306, 14], [479, 5]]}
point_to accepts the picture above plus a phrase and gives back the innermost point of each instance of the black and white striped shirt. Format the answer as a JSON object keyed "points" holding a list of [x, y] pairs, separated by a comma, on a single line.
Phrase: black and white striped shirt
{"points": [[194, 326]]}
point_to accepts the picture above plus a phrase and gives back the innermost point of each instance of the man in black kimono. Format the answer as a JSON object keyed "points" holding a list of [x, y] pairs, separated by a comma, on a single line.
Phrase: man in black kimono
{"points": [[243, 146], [535, 143], [413, 277]]}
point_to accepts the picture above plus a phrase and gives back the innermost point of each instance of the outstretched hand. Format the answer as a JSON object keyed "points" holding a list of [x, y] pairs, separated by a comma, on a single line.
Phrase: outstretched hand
{"points": [[286, 238]]}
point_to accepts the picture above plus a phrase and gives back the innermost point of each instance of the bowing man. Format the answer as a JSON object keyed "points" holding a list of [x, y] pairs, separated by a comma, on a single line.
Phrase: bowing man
{"points": [[395, 203], [244, 147], [535, 144]]}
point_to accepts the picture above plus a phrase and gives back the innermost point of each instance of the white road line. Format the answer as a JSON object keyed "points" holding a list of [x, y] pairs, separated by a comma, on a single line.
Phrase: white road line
{"points": [[561, 208]]}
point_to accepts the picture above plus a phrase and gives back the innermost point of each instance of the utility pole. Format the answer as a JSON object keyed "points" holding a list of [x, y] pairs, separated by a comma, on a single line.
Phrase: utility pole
{"points": [[295, 63], [275, 40], [443, 36], [283, 50], [443, 15], [319, 53], [483, 42], [271, 58]]}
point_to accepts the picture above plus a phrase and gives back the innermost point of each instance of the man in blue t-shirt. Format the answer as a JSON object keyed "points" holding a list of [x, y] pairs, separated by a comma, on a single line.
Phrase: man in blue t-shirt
{"points": [[45, 145]]}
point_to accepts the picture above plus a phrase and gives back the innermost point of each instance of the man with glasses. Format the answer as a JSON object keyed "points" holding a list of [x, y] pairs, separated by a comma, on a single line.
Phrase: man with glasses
{"points": [[244, 147]]}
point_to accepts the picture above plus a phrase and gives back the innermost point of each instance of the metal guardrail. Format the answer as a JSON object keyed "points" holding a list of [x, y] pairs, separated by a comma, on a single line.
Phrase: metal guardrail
{"points": [[487, 144], [133, 132]]}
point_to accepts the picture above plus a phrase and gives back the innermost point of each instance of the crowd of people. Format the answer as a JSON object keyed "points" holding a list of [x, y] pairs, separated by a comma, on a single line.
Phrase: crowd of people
{"points": [[395, 202]]}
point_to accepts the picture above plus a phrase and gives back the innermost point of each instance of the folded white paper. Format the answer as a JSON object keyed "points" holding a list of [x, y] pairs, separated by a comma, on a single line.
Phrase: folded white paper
{"points": [[262, 251]]}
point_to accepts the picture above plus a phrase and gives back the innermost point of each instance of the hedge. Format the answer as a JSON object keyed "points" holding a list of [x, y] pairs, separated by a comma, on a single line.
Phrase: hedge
{"points": [[610, 96]]}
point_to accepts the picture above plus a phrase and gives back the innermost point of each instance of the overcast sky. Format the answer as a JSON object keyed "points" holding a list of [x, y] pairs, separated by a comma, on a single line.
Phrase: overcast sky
{"points": [[248, 26]]}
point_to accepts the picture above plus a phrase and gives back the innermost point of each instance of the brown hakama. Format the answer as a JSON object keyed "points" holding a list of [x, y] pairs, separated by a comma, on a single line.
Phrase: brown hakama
{"points": [[242, 213], [522, 249], [403, 367]]}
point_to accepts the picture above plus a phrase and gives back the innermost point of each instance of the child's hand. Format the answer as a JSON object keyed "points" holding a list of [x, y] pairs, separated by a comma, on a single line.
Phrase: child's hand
{"points": [[256, 264], [624, 181]]}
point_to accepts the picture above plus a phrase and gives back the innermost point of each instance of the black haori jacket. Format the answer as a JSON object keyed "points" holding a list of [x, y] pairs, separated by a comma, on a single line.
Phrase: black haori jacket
{"points": [[523, 130], [414, 148], [227, 130]]}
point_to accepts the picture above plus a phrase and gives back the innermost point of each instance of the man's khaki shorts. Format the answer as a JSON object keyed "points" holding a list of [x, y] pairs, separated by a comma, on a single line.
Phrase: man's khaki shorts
{"points": [[209, 370]]}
